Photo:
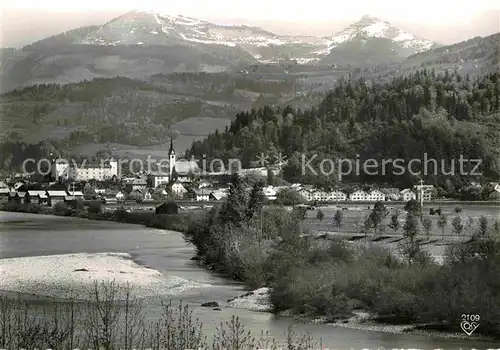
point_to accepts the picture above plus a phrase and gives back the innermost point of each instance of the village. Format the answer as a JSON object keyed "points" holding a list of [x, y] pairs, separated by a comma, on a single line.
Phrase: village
{"points": [[148, 190]]}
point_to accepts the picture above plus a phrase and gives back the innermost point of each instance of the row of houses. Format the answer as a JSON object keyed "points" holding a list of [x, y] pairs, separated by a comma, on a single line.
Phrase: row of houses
{"points": [[310, 194], [205, 191], [387, 194], [42, 197]]}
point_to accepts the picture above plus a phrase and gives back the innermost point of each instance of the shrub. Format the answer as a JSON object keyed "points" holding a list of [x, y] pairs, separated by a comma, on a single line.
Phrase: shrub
{"points": [[11, 206], [95, 207], [167, 208], [78, 205], [62, 209], [33, 208], [289, 197]]}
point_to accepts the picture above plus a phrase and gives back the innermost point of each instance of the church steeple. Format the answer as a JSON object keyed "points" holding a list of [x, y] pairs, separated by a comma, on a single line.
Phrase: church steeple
{"points": [[171, 150], [172, 160]]}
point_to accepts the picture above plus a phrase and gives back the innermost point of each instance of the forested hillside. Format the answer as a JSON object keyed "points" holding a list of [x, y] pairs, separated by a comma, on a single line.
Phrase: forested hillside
{"points": [[124, 113], [443, 115], [475, 49], [129, 111]]}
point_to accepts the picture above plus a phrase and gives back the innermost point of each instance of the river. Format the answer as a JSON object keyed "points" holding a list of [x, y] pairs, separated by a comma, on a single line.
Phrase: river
{"points": [[27, 235]]}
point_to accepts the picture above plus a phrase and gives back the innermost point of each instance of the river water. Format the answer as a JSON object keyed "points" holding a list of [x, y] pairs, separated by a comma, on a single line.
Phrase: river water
{"points": [[27, 235]]}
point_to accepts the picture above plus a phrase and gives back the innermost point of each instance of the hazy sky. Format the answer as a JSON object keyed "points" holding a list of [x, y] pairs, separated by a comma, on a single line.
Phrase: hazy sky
{"points": [[442, 11], [23, 21]]}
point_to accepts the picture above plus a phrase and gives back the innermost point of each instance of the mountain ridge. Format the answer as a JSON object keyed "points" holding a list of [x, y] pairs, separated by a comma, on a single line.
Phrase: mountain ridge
{"points": [[374, 39], [142, 43], [145, 26]]}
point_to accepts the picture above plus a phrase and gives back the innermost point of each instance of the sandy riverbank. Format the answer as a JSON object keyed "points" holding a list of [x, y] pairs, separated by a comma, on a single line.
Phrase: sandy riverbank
{"points": [[257, 300], [62, 275]]}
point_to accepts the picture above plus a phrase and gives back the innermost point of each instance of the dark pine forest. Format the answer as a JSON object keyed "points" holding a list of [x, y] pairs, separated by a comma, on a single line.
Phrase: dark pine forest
{"points": [[444, 115]]}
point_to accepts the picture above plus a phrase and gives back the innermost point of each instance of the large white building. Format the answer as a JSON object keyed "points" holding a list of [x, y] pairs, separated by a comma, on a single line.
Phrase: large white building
{"points": [[322, 196], [158, 178], [359, 196], [338, 196], [63, 169], [425, 191], [376, 196]]}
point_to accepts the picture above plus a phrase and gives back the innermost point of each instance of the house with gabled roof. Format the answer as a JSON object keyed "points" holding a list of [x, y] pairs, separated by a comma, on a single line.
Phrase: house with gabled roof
{"points": [[18, 184], [359, 196], [139, 184], [472, 185], [427, 192], [270, 193], [217, 195], [407, 195], [160, 193], [55, 196], [306, 193], [16, 197], [120, 196], [321, 196], [178, 189], [376, 196], [199, 194], [4, 192], [36, 196], [158, 178], [76, 194], [338, 195], [148, 196]]}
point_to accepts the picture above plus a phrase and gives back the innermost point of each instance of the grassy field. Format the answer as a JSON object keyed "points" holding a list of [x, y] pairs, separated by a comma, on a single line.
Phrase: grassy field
{"points": [[354, 217]]}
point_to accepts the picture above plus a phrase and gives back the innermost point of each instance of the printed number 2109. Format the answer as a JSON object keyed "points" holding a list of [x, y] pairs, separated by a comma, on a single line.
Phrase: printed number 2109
{"points": [[470, 318]]}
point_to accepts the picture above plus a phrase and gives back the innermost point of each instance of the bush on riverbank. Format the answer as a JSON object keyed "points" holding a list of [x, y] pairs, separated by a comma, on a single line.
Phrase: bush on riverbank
{"points": [[373, 279], [236, 238], [112, 318], [32, 208]]}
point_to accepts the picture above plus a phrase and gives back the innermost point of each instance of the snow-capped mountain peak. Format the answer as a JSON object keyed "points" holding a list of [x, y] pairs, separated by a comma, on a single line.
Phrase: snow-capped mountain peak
{"points": [[372, 27], [149, 27]]}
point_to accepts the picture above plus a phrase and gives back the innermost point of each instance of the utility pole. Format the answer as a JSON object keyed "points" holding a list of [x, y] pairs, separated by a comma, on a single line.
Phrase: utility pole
{"points": [[261, 221], [421, 193]]}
